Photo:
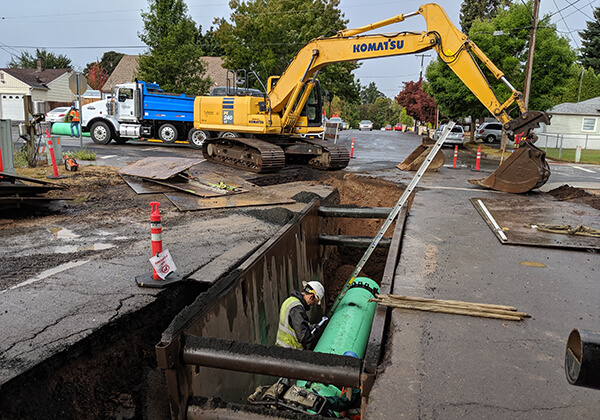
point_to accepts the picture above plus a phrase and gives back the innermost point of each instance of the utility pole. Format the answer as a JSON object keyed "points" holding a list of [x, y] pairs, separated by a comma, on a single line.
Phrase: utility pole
{"points": [[422, 58], [30, 129], [529, 67]]}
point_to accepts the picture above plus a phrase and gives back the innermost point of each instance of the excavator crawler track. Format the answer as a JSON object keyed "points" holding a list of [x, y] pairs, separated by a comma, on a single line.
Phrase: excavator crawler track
{"points": [[333, 156], [244, 153]]}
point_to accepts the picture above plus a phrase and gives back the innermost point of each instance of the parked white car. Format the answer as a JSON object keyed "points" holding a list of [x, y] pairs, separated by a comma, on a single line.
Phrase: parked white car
{"points": [[365, 125], [58, 114]]}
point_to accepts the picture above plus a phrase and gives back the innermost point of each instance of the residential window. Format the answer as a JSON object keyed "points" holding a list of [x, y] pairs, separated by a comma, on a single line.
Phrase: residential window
{"points": [[589, 124]]}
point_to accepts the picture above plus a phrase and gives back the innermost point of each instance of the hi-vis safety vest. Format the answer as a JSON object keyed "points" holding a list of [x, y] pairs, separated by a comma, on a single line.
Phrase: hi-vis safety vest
{"points": [[286, 336]]}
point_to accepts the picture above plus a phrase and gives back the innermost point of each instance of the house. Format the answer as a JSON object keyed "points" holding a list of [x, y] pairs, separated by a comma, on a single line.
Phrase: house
{"points": [[575, 118], [49, 85], [127, 67]]}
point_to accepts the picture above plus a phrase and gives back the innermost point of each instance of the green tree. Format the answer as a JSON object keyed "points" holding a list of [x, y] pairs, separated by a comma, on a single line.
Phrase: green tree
{"points": [[471, 10], [590, 43], [584, 85], [265, 35], [369, 94], [210, 44], [552, 64], [173, 56], [406, 119], [49, 60], [108, 62]]}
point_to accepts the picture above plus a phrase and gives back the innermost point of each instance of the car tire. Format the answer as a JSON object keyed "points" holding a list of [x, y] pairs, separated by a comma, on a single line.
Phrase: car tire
{"points": [[168, 133], [490, 138], [101, 133], [196, 138]]}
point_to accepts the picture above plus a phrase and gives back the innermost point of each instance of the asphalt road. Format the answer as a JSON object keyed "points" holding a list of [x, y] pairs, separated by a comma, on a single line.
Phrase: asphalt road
{"points": [[439, 366]]}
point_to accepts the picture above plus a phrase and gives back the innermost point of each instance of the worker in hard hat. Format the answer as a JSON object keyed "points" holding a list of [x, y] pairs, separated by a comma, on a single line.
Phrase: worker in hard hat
{"points": [[295, 331]]}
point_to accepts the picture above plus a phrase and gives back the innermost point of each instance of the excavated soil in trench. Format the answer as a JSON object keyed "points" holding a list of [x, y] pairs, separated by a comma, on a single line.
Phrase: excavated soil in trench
{"points": [[111, 374]]}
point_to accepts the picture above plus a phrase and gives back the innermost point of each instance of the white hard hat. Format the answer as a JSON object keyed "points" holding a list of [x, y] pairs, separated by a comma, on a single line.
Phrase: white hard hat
{"points": [[318, 288]]}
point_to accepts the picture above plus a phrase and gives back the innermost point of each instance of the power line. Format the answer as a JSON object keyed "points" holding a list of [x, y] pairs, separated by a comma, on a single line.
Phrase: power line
{"points": [[565, 22], [564, 8]]}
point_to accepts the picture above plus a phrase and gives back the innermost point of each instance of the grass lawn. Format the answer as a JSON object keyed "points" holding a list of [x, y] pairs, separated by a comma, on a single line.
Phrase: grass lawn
{"points": [[568, 155]]}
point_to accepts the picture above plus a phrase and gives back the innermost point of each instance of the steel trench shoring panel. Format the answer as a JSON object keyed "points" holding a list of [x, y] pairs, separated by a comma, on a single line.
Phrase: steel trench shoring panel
{"points": [[243, 307]]}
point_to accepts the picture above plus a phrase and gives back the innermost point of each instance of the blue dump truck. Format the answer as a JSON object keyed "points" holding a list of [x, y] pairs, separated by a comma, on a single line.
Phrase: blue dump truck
{"points": [[141, 110]]}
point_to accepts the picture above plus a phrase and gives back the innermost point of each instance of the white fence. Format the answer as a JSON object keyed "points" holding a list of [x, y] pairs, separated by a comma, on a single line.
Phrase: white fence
{"points": [[568, 141]]}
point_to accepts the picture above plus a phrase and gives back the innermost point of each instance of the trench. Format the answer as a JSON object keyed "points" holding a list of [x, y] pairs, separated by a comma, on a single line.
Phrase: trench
{"points": [[114, 374]]}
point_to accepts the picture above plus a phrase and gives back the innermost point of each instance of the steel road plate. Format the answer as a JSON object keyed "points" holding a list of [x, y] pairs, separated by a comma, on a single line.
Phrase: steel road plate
{"points": [[515, 216]]}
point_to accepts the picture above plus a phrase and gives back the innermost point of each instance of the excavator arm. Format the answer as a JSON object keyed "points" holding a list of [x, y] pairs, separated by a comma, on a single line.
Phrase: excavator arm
{"points": [[524, 170], [452, 46]]}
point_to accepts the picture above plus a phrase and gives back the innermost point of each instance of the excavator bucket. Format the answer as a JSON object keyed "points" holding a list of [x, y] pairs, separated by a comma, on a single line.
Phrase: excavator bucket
{"points": [[415, 159], [524, 170]]}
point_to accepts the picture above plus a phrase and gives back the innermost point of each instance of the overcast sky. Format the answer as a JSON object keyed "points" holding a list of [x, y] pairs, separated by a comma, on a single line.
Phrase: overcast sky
{"points": [[84, 30]]}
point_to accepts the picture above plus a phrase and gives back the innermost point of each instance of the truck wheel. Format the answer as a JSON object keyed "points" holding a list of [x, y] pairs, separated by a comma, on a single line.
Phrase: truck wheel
{"points": [[196, 138], [168, 133], [228, 134], [100, 133]]}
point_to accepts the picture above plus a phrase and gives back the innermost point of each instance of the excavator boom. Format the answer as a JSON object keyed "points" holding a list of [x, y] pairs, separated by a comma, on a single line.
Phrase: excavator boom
{"points": [[284, 114], [455, 49]]}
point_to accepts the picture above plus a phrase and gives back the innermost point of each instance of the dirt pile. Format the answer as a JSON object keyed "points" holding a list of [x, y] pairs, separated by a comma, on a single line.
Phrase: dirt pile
{"points": [[577, 195]]}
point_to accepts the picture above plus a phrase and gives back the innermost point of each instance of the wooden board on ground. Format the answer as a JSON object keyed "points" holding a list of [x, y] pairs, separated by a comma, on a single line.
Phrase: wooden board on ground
{"points": [[258, 197], [213, 178], [159, 167], [12, 178], [143, 186], [512, 220], [195, 188]]}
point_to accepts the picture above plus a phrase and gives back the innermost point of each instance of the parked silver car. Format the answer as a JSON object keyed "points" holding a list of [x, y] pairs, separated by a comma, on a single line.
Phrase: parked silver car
{"points": [[489, 132], [342, 125], [456, 136]]}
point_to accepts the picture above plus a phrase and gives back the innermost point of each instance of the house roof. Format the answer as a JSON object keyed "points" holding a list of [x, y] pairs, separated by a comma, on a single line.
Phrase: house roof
{"points": [[35, 78], [122, 73], [127, 67], [591, 106]]}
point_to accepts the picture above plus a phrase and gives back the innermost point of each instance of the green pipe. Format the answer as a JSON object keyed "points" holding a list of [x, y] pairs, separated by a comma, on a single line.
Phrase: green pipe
{"points": [[64, 129], [349, 328]]}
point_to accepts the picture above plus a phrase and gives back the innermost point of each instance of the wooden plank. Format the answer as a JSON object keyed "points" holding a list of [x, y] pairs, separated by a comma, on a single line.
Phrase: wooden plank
{"points": [[159, 167]]}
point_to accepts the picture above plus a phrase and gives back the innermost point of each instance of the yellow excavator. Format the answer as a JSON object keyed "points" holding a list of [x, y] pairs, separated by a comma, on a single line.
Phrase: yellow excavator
{"points": [[261, 133]]}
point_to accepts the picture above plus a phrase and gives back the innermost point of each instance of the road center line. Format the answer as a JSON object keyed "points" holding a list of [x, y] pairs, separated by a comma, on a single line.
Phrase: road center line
{"points": [[583, 169], [48, 273]]}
